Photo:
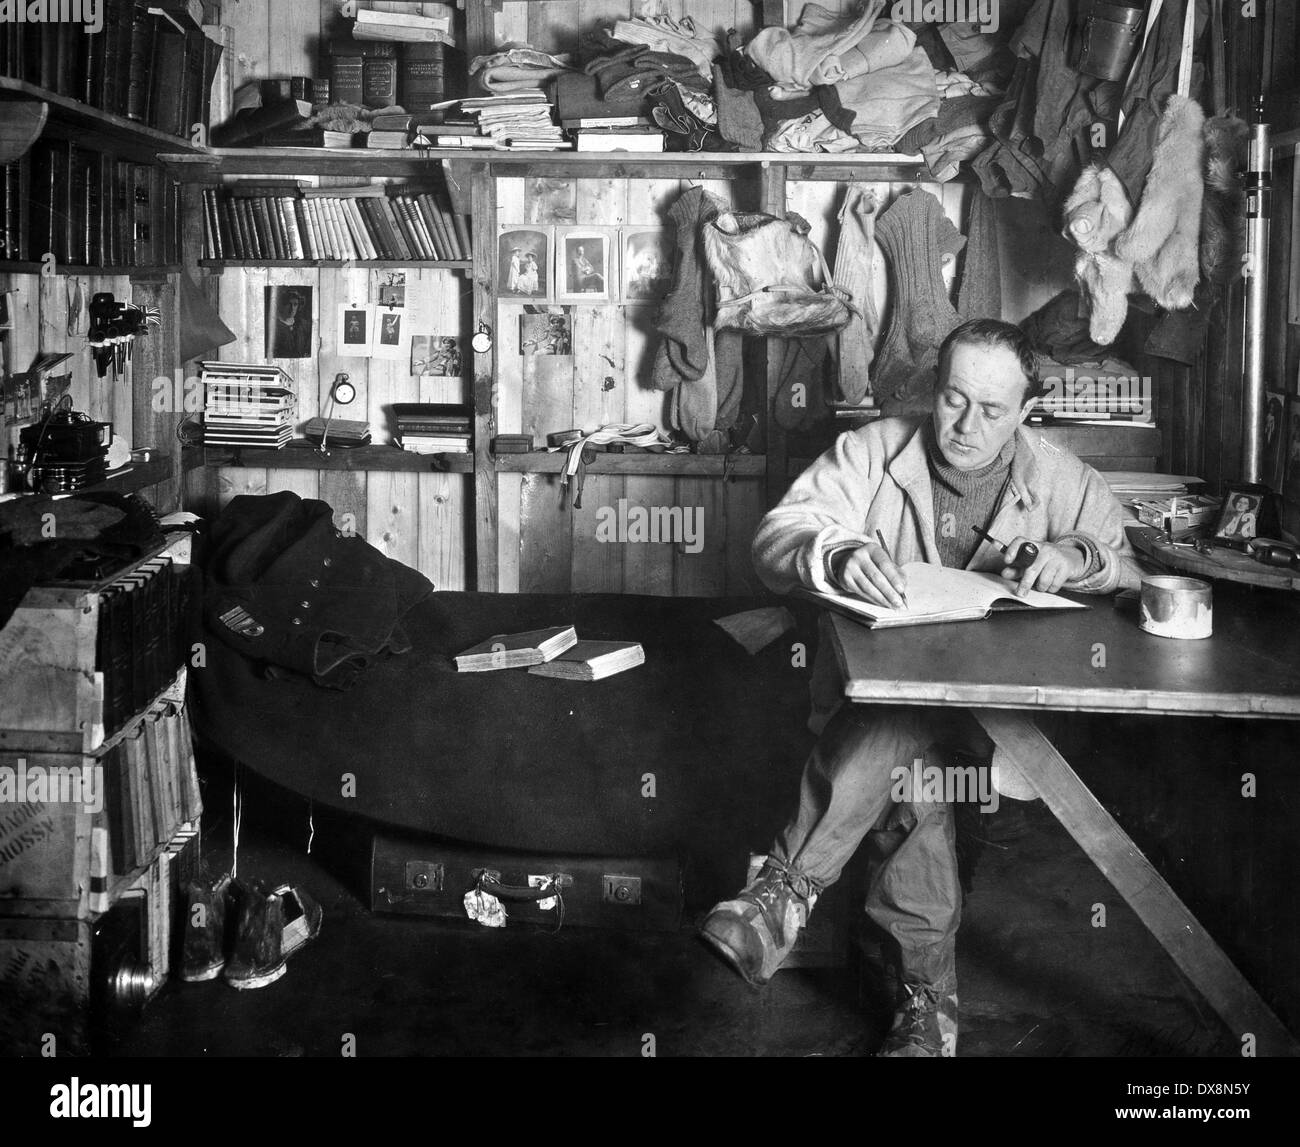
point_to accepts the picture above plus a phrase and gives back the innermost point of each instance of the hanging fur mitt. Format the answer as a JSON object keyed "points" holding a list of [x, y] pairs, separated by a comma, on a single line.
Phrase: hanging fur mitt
{"points": [[1163, 241], [1096, 213], [1223, 216]]}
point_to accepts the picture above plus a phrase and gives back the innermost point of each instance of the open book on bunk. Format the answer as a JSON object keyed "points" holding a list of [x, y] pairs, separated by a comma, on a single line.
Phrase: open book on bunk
{"points": [[938, 593]]}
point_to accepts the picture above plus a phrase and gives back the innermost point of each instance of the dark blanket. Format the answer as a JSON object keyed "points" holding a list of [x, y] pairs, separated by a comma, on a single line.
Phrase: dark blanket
{"points": [[508, 759]]}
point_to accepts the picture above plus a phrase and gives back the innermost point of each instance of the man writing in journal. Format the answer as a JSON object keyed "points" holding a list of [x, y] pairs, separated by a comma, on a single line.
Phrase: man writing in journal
{"points": [[920, 485]]}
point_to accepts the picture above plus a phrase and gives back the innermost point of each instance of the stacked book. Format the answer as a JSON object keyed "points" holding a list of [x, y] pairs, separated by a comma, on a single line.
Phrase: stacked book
{"points": [[362, 71], [434, 427], [615, 133], [149, 60], [553, 652], [523, 121], [247, 404], [288, 221], [433, 26]]}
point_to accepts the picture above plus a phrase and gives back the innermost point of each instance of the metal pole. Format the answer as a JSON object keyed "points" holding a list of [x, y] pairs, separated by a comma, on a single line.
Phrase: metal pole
{"points": [[1259, 190]]}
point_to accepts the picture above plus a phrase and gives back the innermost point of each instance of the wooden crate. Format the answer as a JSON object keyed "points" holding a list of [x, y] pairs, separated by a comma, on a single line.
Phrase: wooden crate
{"points": [[53, 696]]}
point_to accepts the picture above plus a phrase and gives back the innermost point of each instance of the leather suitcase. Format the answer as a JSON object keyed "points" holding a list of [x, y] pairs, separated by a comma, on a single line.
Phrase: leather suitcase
{"points": [[415, 876]]}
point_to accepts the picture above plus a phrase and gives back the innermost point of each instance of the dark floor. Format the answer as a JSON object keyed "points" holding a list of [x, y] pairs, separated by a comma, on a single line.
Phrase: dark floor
{"points": [[1037, 980]]}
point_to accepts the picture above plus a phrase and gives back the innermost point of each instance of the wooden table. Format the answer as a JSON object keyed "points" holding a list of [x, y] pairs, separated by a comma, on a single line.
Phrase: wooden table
{"points": [[1099, 661]]}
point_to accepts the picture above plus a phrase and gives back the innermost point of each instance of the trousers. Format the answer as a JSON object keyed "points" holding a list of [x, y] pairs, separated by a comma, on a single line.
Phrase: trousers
{"points": [[849, 788]]}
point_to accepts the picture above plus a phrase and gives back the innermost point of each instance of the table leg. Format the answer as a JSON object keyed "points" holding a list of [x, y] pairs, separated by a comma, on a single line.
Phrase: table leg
{"points": [[1201, 960]]}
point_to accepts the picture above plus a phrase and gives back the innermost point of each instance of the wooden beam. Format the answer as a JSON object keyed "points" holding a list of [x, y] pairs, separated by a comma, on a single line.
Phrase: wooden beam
{"points": [[1107, 845], [483, 226]]}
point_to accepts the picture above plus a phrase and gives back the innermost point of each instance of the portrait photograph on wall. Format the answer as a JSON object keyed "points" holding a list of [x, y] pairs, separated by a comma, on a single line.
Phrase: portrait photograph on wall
{"points": [[438, 356], [288, 322], [1273, 440], [390, 337], [582, 265], [647, 265], [354, 330], [523, 263], [548, 333]]}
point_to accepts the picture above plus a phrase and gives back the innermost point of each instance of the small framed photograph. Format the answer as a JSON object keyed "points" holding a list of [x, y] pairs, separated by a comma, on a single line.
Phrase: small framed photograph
{"points": [[647, 264], [524, 263], [548, 333], [1239, 517], [288, 322], [389, 335], [438, 356], [354, 329], [393, 292], [582, 261]]}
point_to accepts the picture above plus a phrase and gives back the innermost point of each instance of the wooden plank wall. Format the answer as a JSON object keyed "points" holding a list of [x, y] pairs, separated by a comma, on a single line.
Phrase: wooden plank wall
{"points": [[419, 519], [544, 545], [39, 313]]}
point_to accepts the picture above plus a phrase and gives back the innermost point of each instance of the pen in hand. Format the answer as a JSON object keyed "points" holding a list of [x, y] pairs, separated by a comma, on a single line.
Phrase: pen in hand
{"points": [[881, 539]]}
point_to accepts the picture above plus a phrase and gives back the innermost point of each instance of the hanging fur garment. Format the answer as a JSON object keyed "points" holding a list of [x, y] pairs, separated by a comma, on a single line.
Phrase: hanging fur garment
{"points": [[854, 271], [1163, 241], [1096, 213], [1223, 214]]}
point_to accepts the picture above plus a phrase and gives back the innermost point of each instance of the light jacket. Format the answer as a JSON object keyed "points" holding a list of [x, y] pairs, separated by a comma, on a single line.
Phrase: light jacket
{"points": [[877, 478]]}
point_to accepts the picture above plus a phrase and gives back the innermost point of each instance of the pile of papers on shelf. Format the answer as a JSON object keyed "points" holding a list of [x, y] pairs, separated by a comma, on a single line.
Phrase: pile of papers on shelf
{"points": [[246, 404], [522, 121]]}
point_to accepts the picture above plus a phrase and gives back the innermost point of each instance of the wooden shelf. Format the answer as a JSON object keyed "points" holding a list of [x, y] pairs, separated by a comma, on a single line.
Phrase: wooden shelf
{"points": [[415, 264], [696, 465], [67, 114], [30, 267], [362, 163], [299, 455], [302, 457]]}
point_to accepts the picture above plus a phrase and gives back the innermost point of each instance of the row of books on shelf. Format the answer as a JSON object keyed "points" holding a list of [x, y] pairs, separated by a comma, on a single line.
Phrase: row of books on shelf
{"points": [[151, 61], [434, 427], [290, 221], [88, 208], [150, 790], [247, 404], [140, 643]]}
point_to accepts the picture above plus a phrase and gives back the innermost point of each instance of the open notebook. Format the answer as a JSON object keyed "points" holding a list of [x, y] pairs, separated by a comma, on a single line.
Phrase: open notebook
{"points": [[937, 593]]}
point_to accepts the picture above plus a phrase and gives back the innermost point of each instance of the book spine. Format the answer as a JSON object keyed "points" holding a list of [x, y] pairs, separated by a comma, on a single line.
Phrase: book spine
{"points": [[140, 61], [440, 222], [365, 236], [96, 255], [310, 249], [293, 239], [379, 83], [395, 228], [265, 235], [428, 239], [461, 230], [319, 232], [279, 228], [414, 248], [368, 210], [346, 79], [342, 229], [430, 225]]}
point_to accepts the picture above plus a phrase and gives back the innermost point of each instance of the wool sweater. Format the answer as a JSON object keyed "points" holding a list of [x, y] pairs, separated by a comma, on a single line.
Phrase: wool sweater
{"points": [[877, 477]]}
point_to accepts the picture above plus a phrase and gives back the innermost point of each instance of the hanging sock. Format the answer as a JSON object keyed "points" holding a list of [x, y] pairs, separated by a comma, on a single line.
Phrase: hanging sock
{"points": [[854, 271], [683, 353], [980, 295]]}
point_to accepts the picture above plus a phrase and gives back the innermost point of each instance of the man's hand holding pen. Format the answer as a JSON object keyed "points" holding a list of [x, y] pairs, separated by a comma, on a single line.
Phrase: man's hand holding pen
{"points": [[869, 572]]}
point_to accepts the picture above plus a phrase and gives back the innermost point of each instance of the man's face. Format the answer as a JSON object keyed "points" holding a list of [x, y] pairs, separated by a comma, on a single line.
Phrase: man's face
{"points": [[979, 404]]}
